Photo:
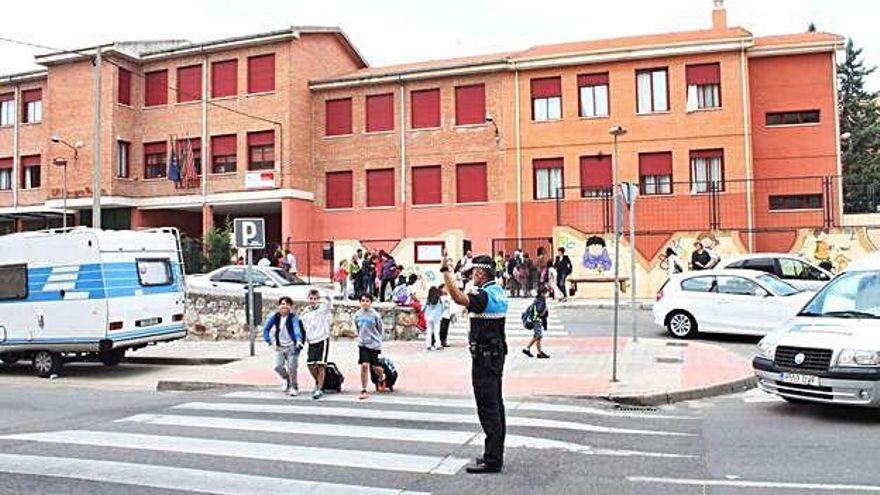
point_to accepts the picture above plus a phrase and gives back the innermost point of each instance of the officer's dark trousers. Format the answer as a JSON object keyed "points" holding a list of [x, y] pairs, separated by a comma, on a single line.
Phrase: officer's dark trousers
{"points": [[486, 377]]}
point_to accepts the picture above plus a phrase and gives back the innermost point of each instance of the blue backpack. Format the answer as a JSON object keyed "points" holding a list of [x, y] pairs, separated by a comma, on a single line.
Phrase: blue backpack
{"points": [[529, 316]]}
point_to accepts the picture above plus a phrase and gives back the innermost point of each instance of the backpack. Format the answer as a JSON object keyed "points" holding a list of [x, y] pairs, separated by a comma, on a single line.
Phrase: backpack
{"points": [[529, 316], [333, 378], [391, 373]]}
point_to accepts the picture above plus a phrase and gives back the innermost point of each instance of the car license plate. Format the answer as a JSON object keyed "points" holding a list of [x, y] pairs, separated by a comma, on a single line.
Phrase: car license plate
{"points": [[798, 379]]}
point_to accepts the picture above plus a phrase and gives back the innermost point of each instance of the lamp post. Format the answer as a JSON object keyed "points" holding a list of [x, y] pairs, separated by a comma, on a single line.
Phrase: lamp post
{"points": [[616, 132], [61, 162]]}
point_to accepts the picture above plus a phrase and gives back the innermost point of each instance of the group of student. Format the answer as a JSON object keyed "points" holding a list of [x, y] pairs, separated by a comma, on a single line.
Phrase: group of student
{"points": [[369, 272], [522, 276]]}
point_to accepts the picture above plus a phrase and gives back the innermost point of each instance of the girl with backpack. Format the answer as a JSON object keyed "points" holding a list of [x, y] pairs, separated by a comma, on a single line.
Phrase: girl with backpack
{"points": [[433, 316], [535, 319]]}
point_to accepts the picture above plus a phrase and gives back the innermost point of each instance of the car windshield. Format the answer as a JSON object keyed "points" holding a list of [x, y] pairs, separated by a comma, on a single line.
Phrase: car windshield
{"points": [[280, 276], [851, 295], [777, 285]]}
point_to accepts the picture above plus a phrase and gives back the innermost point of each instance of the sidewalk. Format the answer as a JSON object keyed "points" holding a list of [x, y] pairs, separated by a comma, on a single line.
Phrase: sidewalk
{"points": [[650, 371]]}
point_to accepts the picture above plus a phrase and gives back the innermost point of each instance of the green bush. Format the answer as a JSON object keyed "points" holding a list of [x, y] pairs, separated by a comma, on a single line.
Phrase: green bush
{"points": [[219, 247]]}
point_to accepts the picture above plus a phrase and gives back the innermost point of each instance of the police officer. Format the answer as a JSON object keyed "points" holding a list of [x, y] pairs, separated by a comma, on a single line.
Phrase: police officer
{"points": [[487, 307]]}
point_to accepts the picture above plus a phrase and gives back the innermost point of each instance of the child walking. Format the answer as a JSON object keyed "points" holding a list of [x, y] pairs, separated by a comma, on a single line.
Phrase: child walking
{"points": [[285, 333], [341, 277], [433, 315], [446, 302], [316, 321], [538, 317], [370, 335]]}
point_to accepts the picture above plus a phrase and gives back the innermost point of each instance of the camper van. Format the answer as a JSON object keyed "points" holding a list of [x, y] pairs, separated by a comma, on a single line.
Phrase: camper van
{"points": [[82, 293]]}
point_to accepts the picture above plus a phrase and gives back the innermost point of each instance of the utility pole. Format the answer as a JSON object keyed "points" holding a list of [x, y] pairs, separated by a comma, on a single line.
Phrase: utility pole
{"points": [[616, 131], [96, 157]]}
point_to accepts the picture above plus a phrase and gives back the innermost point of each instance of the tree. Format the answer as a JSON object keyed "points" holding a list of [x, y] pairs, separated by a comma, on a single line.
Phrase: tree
{"points": [[860, 132], [219, 246], [811, 28]]}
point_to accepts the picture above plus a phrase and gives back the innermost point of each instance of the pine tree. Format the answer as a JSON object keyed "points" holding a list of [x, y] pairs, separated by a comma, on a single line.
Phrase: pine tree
{"points": [[860, 128], [811, 28]]}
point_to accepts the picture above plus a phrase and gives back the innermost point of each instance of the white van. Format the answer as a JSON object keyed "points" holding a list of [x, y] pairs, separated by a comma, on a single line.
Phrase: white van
{"points": [[830, 351], [85, 292]]}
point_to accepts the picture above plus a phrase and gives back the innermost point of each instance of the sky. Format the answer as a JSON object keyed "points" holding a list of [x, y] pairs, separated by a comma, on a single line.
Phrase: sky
{"points": [[394, 31]]}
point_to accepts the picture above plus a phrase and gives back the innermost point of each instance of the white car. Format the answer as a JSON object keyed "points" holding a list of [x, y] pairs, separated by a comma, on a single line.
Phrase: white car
{"points": [[267, 279], [745, 302], [830, 352], [793, 269]]}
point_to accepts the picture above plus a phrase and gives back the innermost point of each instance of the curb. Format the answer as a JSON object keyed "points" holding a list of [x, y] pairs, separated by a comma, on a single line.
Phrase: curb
{"points": [[172, 361], [595, 305], [197, 386], [714, 390]]}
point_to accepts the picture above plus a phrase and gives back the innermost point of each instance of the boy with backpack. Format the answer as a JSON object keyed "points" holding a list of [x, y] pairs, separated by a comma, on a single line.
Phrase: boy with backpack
{"points": [[535, 319], [284, 331], [370, 335], [316, 321]]}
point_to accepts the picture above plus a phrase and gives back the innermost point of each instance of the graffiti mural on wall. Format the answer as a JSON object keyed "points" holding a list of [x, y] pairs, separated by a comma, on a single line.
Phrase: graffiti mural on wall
{"points": [[834, 250], [596, 255]]}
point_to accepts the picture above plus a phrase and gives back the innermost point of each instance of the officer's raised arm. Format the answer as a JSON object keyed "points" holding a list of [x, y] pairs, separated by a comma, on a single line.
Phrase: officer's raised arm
{"points": [[455, 293]]}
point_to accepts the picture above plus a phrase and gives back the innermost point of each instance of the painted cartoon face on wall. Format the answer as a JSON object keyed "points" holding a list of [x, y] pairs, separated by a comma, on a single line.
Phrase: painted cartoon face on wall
{"points": [[596, 255]]}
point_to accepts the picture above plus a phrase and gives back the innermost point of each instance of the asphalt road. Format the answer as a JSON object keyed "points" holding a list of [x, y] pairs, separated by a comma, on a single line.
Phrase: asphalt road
{"points": [[66, 441]]}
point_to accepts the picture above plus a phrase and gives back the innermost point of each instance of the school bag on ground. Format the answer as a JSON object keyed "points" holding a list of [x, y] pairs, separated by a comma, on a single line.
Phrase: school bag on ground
{"points": [[529, 316], [391, 373], [332, 378]]}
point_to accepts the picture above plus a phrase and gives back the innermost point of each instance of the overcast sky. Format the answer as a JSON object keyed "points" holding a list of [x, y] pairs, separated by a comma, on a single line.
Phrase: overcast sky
{"points": [[392, 31]]}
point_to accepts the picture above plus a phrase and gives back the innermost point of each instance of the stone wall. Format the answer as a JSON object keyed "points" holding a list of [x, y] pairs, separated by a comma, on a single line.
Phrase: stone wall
{"points": [[222, 317]]}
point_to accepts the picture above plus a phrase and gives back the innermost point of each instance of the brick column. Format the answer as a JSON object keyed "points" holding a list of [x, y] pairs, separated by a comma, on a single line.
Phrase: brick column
{"points": [[19, 225], [297, 220], [207, 219], [137, 219]]}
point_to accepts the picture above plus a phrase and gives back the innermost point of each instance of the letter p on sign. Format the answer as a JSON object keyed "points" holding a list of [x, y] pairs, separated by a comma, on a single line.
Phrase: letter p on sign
{"points": [[249, 233]]}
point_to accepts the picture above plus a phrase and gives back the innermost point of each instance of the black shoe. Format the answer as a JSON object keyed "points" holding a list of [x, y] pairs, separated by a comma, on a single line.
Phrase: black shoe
{"points": [[480, 461], [541, 355], [528, 353], [484, 468]]}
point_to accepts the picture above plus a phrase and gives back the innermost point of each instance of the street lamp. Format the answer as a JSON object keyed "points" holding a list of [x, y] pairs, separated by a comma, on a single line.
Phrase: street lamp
{"points": [[61, 162], [616, 132]]}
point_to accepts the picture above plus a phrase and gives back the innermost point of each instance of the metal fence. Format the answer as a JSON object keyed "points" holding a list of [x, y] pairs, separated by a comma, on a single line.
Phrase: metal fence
{"points": [[314, 259]]}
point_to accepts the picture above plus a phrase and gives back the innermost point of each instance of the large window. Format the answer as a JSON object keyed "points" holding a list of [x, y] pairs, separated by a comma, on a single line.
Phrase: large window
{"points": [[156, 88], [593, 95], [123, 86], [261, 73], [189, 83], [223, 152], [793, 118], [380, 187], [30, 172], [33, 105], [5, 174], [224, 78], [155, 160], [653, 90], [337, 118], [7, 109], [796, 202], [546, 98], [425, 109], [123, 149], [427, 185], [703, 86], [339, 190], [380, 112], [548, 178], [470, 104], [13, 281], [152, 272], [261, 150], [471, 183], [707, 171], [655, 173], [596, 176]]}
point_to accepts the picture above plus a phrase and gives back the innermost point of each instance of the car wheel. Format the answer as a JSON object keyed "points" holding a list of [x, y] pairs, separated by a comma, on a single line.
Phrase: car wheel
{"points": [[681, 325], [47, 363], [11, 357], [112, 357]]}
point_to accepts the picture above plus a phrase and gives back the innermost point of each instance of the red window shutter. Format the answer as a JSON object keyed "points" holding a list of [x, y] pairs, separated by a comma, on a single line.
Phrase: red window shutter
{"points": [[707, 154], [261, 73], [30, 161], [338, 117], [339, 190], [547, 163], [32, 95], [7, 96], [380, 187], [703, 74], [224, 78], [156, 88], [123, 86], [223, 145], [189, 83], [596, 171], [195, 142], [546, 87], [261, 138], [380, 112], [593, 79], [425, 108], [5, 162], [655, 163], [470, 104], [427, 185], [154, 148], [471, 183]]}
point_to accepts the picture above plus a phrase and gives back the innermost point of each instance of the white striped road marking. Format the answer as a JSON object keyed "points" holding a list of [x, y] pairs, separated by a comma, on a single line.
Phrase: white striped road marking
{"points": [[387, 414], [177, 479], [455, 403], [250, 450], [452, 437], [755, 484]]}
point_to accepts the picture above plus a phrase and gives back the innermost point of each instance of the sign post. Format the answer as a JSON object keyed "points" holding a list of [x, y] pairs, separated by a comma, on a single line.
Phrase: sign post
{"points": [[250, 234], [631, 192]]}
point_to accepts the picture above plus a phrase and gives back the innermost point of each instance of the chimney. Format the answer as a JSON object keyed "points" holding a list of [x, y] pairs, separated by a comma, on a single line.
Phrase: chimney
{"points": [[719, 15]]}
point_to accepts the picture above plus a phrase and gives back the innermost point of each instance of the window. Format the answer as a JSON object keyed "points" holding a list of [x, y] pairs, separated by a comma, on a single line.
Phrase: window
{"points": [[596, 176], [13, 281], [33, 105], [123, 149], [223, 151], [30, 172], [425, 109], [766, 265], [427, 185], [156, 88], [380, 113], [699, 284], [737, 286], [339, 190], [153, 272], [470, 104], [380, 187], [224, 78], [548, 178], [655, 173], [189, 83], [261, 150], [123, 86], [793, 118], [471, 183], [261, 73], [703, 86], [792, 269], [7, 109], [546, 99], [337, 119], [707, 171], [593, 95], [5, 174], [155, 159], [653, 90], [796, 202]]}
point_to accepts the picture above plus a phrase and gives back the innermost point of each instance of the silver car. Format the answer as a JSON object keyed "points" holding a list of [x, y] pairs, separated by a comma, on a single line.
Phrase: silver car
{"points": [[793, 269]]}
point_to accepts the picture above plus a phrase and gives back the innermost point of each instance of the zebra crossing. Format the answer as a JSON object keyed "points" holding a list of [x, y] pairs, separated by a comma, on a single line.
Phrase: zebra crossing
{"points": [[513, 327], [257, 442]]}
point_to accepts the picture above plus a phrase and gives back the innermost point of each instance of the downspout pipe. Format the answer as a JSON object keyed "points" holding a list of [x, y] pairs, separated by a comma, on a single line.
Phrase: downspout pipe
{"points": [[402, 97], [747, 135], [518, 141]]}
